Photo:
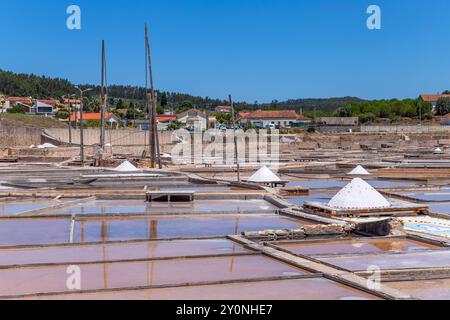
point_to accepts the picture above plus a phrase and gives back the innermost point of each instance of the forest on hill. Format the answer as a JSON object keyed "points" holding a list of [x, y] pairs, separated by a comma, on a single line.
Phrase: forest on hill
{"points": [[131, 99], [12, 84]]}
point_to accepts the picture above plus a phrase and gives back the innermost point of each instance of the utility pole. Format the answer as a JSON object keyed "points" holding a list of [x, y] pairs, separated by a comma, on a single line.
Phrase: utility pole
{"points": [[70, 97], [103, 100], [1, 114], [70, 123], [151, 100], [81, 125], [236, 158]]}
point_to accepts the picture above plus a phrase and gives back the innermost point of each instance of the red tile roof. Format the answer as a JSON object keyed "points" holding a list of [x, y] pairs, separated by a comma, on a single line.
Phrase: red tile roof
{"points": [[303, 117], [433, 97], [27, 100], [90, 116], [19, 99], [243, 114], [166, 118], [50, 102], [72, 100]]}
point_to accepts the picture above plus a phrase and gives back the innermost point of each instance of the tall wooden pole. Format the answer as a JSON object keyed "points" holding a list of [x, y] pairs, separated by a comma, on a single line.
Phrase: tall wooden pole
{"points": [[153, 129], [70, 122], [81, 130], [236, 158], [103, 101]]}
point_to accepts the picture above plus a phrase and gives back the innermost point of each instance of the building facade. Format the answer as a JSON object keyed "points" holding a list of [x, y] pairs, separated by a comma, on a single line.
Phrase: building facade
{"points": [[433, 98], [277, 118]]}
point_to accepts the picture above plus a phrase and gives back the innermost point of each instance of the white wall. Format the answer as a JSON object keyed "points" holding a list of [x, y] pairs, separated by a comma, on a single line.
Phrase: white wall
{"points": [[266, 122]]}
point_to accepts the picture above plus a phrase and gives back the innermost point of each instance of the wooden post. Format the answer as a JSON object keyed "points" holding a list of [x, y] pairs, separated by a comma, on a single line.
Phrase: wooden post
{"points": [[103, 101], [236, 158], [153, 129], [81, 130]]}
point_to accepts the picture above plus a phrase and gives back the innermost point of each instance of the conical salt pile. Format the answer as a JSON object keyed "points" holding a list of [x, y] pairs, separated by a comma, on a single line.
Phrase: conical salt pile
{"points": [[264, 175], [359, 170], [126, 167], [438, 150], [358, 194]]}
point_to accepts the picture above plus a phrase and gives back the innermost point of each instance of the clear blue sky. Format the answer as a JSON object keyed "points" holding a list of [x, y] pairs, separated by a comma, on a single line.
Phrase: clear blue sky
{"points": [[254, 49]]}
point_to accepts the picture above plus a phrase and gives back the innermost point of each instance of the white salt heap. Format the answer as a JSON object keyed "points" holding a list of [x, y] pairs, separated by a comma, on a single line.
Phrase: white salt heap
{"points": [[46, 146], [438, 150], [126, 167], [358, 194], [359, 170], [264, 175]]}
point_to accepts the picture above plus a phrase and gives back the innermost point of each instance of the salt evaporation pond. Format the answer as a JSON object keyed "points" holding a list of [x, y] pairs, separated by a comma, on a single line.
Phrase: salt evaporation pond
{"points": [[292, 289], [429, 196], [16, 207], [429, 225], [356, 246], [443, 208], [57, 231], [140, 207], [395, 261], [137, 274], [118, 251], [328, 184], [299, 201]]}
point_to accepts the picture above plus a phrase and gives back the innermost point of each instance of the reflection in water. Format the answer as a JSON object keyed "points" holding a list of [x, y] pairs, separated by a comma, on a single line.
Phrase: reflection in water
{"points": [[183, 226], [138, 274], [136, 206], [50, 231]]}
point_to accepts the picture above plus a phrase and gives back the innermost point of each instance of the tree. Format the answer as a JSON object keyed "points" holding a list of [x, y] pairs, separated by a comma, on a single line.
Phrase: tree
{"points": [[160, 110], [186, 105], [94, 105], [344, 112], [16, 109], [164, 100], [443, 106], [424, 110], [222, 117], [120, 104], [174, 125]]}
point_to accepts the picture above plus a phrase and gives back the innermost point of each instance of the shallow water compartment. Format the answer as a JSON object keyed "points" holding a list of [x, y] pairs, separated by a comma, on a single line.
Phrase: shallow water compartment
{"points": [[355, 246], [34, 280], [295, 289], [52, 231], [141, 207], [118, 252], [433, 289], [19, 206], [434, 259]]}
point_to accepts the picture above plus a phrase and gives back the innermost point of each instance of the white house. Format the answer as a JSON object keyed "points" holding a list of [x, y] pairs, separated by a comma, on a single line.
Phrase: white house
{"points": [[223, 109], [196, 119], [4, 106], [279, 118]]}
